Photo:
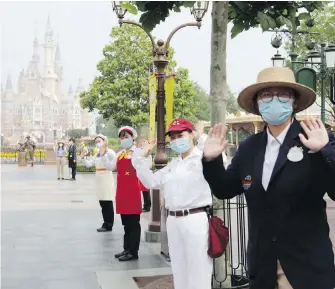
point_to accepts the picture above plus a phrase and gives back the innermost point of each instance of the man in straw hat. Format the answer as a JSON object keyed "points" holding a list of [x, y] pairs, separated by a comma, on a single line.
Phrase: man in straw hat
{"points": [[284, 173]]}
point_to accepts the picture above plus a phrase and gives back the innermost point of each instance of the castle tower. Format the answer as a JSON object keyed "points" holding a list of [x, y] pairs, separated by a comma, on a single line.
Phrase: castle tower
{"points": [[59, 72], [49, 77], [8, 92]]}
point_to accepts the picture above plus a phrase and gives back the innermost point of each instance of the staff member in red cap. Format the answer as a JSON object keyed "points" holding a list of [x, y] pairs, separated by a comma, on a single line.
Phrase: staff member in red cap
{"points": [[186, 194], [128, 192]]}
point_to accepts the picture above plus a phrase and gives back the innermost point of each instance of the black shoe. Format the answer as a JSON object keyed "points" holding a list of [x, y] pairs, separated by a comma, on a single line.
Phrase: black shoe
{"points": [[128, 257], [117, 256], [58, 178], [62, 178], [104, 229], [146, 210], [72, 179]]}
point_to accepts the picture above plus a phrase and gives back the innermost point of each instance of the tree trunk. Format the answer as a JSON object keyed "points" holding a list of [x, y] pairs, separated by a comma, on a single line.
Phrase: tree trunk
{"points": [[219, 95], [219, 92]]}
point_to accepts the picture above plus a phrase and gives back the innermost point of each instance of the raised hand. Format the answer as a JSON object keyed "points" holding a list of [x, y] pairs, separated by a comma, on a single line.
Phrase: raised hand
{"points": [[316, 133], [104, 148], [216, 142], [147, 148]]}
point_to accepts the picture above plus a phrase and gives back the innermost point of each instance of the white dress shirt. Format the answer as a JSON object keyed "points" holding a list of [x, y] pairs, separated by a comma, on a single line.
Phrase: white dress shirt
{"points": [[271, 155], [182, 180]]}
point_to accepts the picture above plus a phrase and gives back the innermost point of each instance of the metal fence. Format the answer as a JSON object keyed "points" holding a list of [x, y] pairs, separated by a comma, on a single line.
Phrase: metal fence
{"points": [[12, 157], [234, 273]]}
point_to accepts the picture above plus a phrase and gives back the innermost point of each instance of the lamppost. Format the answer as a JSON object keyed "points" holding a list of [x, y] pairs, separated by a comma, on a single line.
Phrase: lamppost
{"points": [[322, 61], [160, 52]]}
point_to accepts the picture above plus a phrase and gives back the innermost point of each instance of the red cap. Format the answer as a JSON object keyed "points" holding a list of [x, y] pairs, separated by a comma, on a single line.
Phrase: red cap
{"points": [[180, 124]]}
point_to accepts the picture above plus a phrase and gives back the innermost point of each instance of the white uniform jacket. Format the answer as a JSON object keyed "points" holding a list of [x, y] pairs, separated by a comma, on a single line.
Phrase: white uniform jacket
{"points": [[105, 183], [181, 180]]}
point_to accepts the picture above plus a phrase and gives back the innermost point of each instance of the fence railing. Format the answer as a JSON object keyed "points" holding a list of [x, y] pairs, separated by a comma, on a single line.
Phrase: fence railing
{"points": [[235, 216], [12, 156]]}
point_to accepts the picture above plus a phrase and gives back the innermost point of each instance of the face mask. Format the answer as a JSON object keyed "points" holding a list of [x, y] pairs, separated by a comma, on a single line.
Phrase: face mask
{"points": [[276, 112], [180, 145], [126, 143], [99, 145]]}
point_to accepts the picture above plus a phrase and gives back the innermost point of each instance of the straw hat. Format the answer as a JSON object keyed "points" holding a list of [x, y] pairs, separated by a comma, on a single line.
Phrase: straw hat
{"points": [[276, 77]]}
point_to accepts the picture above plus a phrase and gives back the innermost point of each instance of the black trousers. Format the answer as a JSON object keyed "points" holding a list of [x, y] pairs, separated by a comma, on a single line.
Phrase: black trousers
{"points": [[107, 211], [73, 166], [132, 233], [146, 200]]}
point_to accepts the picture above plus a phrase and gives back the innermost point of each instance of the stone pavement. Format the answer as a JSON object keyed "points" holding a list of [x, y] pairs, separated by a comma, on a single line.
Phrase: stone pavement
{"points": [[49, 238]]}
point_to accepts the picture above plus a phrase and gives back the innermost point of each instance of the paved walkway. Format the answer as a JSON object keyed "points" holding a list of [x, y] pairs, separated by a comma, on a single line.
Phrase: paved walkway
{"points": [[49, 238]]}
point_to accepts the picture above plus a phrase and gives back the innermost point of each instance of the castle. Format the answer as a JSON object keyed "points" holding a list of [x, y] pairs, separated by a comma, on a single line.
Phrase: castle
{"points": [[39, 106]]}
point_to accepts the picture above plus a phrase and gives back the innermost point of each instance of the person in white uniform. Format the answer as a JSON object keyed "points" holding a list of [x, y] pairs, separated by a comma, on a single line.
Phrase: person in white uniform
{"points": [[105, 184], [186, 195]]}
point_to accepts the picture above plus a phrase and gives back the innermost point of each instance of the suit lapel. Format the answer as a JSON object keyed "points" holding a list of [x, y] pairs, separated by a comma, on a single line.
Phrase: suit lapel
{"points": [[289, 141], [259, 157]]}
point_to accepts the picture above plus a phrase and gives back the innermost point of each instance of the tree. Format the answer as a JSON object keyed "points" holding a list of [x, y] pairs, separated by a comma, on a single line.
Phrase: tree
{"points": [[77, 133], [107, 127], [244, 15], [121, 91]]}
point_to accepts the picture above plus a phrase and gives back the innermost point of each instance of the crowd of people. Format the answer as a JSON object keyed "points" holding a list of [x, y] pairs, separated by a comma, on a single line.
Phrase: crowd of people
{"points": [[284, 173]]}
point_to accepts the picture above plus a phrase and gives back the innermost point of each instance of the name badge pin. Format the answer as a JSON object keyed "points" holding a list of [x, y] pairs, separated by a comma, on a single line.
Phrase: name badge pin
{"points": [[246, 183], [295, 154]]}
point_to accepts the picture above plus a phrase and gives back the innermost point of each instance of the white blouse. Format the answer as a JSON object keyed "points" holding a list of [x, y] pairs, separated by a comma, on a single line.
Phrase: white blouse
{"points": [[181, 181]]}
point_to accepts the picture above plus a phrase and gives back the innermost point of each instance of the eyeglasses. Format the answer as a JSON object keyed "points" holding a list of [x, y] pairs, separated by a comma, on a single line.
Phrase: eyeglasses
{"points": [[267, 96]]}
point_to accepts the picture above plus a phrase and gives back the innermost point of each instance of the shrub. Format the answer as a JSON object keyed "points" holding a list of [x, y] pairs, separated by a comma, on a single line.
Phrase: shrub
{"points": [[82, 169]]}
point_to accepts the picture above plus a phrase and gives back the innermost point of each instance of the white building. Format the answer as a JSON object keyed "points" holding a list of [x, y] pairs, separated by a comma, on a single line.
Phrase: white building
{"points": [[38, 106]]}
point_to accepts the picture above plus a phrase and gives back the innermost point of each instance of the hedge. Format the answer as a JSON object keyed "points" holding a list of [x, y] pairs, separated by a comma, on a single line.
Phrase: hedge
{"points": [[83, 169]]}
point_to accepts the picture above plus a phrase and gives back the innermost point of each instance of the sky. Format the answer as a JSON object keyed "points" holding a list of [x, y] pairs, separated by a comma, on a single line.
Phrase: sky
{"points": [[83, 28]]}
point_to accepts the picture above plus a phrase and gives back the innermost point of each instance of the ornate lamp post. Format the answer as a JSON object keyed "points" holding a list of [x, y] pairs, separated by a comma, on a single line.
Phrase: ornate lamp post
{"points": [[321, 61], [277, 60], [160, 52]]}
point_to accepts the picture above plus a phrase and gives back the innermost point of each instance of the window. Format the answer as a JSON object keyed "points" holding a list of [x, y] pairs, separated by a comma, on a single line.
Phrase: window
{"points": [[56, 111], [37, 110], [10, 111]]}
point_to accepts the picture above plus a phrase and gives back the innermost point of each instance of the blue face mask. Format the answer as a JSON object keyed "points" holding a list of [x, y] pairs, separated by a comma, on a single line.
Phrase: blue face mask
{"points": [[180, 145], [126, 143], [275, 112], [99, 145]]}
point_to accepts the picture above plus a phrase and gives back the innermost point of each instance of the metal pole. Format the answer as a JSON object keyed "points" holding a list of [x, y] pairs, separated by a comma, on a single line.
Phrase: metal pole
{"points": [[322, 72], [160, 157]]}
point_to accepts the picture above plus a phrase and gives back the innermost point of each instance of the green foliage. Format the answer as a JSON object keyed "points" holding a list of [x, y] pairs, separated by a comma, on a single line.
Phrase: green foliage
{"points": [[184, 104], [154, 12], [269, 14], [82, 169], [324, 27], [121, 91], [243, 14], [203, 111], [77, 133], [110, 129]]}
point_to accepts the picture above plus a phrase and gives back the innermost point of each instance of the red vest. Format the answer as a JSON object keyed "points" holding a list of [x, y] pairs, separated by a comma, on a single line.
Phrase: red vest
{"points": [[128, 192]]}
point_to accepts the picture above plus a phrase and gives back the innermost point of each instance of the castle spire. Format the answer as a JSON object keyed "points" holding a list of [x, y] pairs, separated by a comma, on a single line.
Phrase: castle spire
{"points": [[57, 55], [9, 86]]}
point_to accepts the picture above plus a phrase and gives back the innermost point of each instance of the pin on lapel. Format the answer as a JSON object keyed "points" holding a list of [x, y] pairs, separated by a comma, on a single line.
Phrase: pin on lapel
{"points": [[295, 154], [246, 183]]}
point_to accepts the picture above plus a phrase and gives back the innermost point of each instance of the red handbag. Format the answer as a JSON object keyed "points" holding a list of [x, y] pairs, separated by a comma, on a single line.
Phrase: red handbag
{"points": [[218, 235]]}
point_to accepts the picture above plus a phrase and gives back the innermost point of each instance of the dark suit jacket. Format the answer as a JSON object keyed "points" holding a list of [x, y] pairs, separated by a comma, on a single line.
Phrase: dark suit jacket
{"points": [[72, 155], [287, 222]]}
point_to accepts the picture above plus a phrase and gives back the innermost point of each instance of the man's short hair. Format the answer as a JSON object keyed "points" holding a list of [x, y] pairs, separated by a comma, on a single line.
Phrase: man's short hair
{"points": [[72, 139]]}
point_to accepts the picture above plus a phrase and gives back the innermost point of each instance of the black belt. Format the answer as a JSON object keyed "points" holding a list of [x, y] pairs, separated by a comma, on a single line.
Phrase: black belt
{"points": [[182, 213]]}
